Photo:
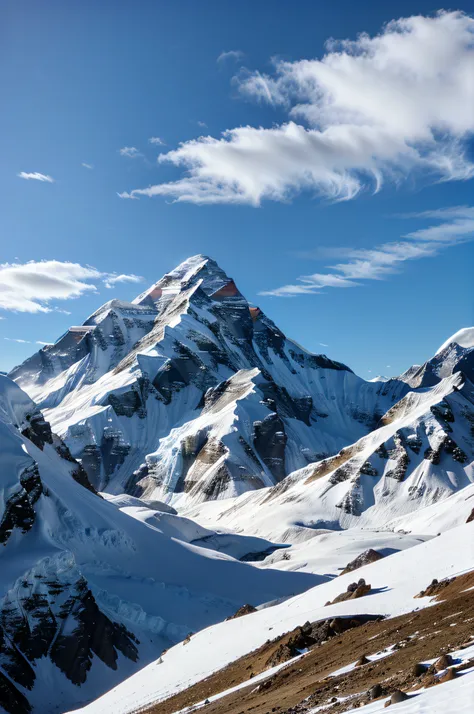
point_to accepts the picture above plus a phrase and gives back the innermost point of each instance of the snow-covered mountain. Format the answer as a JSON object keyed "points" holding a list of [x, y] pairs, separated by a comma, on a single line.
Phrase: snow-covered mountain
{"points": [[189, 393], [88, 594], [421, 454], [178, 457]]}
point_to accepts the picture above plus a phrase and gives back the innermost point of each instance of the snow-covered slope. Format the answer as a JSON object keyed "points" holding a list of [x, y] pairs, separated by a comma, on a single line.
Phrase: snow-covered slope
{"points": [[393, 594], [89, 594], [190, 394]]}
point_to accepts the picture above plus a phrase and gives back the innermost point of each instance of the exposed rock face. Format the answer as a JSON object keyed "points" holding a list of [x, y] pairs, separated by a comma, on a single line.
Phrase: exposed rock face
{"points": [[19, 509], [49, 616], [270, 441]]}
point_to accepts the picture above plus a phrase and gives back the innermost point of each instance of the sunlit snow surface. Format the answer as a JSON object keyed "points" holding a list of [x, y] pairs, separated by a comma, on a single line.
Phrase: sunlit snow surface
{"points": [[394, 592]]}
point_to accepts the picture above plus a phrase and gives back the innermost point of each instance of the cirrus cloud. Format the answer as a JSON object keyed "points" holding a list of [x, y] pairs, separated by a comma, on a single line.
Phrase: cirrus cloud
{"points": [[34, 286], [369, 111], [35, 176], [453, 226]]}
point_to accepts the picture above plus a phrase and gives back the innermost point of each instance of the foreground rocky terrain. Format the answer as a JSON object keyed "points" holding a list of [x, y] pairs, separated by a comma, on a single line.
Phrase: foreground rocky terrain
{"points": [[176, 461]]}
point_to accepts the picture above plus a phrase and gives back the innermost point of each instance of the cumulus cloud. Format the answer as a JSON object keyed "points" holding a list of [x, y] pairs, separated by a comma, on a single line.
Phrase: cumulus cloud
{"points": [[130, 151], [31, 287], [234, 55], [455, 225], [35, 176], [369, 111]]}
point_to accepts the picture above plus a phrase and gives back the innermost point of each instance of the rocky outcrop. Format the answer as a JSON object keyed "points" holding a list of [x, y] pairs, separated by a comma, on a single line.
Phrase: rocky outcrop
{"points": [[368, 556], [269, 441], [19, 511], [353, 592]]}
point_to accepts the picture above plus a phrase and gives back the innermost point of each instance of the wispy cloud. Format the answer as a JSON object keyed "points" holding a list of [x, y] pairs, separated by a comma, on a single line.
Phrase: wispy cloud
{"points": [[114, 279], [12, 339], [323, 344], [131, 152], [87, 166], [234, 55], [124, 194], [156, 141], [35, 176], [369, 111], [44, 344], [34, 286], [202, 124], [455, 225]]}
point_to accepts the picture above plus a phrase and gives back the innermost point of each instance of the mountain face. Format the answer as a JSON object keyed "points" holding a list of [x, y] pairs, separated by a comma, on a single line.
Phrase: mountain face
{"points": [[420, 457], [455, 355], [190, 394], [89, 594]]}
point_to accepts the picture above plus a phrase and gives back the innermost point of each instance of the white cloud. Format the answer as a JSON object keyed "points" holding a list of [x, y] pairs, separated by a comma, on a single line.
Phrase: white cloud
{"points": [[323, 344], [12, 339], [369, 111], [35, 176], [31, 287], [87, 166], [202, 124], [156, 141], [456, 225], [40, 342], [234, 55], [113, 279], [130, 151], [124, 194]]}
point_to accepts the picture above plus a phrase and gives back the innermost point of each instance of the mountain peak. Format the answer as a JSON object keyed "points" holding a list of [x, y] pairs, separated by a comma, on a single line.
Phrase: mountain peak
{"points": [[197, 267], [463, 337]]}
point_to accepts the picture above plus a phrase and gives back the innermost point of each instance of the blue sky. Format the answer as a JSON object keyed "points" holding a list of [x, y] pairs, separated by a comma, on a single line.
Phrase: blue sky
{"points": [[81, 81]]}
